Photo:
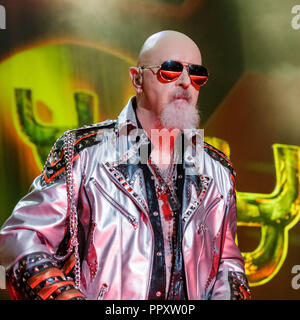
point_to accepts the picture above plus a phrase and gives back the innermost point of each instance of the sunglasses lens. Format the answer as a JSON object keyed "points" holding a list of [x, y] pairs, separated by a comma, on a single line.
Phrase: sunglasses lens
{"points": [[197, 70], [169, 75], [170, 70], [199, 80], [198, 74], [172, 66]]}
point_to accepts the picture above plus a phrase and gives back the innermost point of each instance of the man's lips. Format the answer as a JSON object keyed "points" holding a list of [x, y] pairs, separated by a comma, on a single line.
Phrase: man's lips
{"points": [[183, 95], [181, 98]]}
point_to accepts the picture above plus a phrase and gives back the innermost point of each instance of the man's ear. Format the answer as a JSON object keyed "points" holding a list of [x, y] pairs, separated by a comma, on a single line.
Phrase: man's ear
{"points": [[136, 78]]}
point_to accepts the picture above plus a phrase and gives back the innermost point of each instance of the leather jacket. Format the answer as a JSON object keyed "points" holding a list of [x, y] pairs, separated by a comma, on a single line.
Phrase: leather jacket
{"points": [[116, 236]]}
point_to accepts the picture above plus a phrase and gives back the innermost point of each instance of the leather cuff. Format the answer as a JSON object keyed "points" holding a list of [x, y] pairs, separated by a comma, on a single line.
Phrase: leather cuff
{"points": [[37, 277], [239, 286]]}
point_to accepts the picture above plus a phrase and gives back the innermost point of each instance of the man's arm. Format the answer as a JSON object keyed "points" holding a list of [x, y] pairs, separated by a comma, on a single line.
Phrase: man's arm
{"points": [[32, 235], [231, 282]]}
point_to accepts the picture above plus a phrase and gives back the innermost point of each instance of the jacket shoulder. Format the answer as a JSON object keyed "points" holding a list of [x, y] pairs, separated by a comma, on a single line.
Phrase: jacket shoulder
{"points": [[90, 135], [219, 156], [84, 137]]}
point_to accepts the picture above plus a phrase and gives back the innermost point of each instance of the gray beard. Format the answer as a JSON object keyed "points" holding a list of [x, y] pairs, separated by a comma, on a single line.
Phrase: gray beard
{"points": [[180, 115]]}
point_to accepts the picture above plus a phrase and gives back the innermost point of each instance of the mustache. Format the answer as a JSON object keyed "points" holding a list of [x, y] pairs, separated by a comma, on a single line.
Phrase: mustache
{"points": [[181, 93]]}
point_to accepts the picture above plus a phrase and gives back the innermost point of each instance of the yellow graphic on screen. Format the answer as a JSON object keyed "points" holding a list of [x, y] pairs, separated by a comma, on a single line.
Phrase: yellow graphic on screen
{"points": [[275, 213]]}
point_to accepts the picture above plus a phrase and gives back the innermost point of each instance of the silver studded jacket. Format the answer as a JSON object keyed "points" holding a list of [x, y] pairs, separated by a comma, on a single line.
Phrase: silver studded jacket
{"points": [[112, 208]]}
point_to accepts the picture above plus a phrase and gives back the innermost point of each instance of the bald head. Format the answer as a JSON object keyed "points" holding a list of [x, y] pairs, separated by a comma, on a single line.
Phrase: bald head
{"points": [[169, 45], [159, 101]]}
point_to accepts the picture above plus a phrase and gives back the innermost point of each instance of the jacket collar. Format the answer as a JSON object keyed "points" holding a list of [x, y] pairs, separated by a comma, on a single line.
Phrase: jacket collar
{"points": [[127, 119]]}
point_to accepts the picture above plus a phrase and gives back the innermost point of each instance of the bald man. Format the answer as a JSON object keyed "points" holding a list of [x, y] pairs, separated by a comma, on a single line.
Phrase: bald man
{"points": [[134, 208]]}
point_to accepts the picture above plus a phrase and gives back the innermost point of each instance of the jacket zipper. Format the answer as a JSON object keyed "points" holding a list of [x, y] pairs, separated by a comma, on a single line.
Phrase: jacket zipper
{"points": [[216, 200], [212, 205], [129, 217], [128, 193], [103, 291]]}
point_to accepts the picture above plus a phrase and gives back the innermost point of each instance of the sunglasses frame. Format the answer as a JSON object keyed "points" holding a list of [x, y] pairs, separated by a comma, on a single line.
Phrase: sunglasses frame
{"points": [[185, 65]]}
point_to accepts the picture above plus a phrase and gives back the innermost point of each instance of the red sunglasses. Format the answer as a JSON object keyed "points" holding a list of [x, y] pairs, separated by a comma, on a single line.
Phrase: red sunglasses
{"points": [[171, 70]]}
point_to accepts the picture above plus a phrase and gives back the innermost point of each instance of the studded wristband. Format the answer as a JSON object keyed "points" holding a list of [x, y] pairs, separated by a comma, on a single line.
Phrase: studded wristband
{"points": [[36, 277]]}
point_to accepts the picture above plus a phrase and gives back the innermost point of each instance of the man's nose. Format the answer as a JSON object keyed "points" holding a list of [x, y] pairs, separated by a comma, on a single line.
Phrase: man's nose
{"points": [[184, 79]]}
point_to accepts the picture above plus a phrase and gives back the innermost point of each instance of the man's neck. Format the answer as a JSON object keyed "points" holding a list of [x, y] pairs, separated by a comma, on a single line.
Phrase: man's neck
{"points": [[148, 119]]}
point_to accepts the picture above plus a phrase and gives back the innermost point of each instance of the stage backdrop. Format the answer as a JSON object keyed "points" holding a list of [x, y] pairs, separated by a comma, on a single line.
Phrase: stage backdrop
{"points": [[64, 64]]}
